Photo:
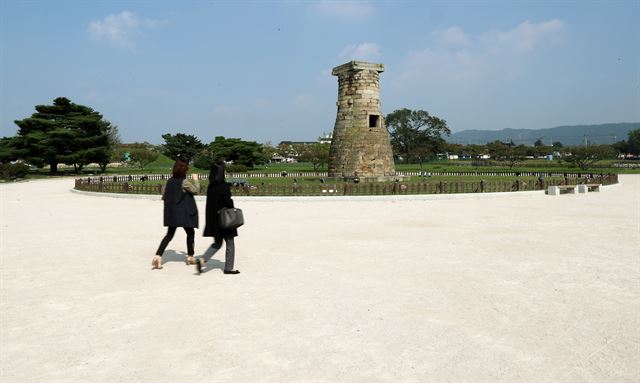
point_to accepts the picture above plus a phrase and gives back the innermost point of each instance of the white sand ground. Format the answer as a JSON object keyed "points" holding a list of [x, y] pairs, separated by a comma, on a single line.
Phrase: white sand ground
{"points": [[517, 288]]}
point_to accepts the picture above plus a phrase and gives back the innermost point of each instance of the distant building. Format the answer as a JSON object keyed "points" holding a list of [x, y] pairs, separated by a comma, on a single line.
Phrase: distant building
{"points": [[280, 159], [290, 148], [326, 138]]}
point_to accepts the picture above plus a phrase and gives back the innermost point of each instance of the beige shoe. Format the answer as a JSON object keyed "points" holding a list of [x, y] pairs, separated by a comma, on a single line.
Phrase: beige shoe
{"points": [[156, 263], [191, 260]]}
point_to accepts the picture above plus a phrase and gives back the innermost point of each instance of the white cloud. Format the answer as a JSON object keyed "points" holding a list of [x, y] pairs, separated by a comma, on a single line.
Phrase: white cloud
{"points": [[526, 36], [121, 29], [452, 36], [460, 59], [364, 51], [347, 10], [221, 109], [440, 66]]}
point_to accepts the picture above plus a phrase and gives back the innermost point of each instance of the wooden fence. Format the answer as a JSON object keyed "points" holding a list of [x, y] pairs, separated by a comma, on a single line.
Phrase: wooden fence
{"points": [[161, 177], [354, 189]]}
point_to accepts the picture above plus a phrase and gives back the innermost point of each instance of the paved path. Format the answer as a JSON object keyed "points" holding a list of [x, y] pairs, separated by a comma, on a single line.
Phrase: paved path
{"points": [[508, 289]]}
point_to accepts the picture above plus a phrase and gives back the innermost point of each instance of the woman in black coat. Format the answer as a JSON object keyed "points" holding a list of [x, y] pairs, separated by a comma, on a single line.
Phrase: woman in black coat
{"points": [[218, 196], [180, 210]]}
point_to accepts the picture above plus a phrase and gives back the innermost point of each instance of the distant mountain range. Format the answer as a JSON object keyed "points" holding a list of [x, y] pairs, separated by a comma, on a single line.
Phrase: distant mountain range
{"points": [[568, 135]]}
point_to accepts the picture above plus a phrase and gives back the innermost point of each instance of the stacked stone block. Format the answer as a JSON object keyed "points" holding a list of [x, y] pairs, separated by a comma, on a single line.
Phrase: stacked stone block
{"points": [[360, 145]]}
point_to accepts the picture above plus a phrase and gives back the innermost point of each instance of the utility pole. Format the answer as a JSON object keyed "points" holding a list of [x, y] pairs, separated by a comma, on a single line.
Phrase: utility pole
{"points": [[585, 141]]}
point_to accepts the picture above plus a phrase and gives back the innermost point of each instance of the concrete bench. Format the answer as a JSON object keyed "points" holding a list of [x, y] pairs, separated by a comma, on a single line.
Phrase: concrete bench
{"points": [[584, 188], [561, 189]]}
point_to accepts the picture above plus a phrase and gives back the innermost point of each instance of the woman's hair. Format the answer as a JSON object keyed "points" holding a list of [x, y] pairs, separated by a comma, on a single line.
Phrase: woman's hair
{"points": [[216, 176], [180, 168]]}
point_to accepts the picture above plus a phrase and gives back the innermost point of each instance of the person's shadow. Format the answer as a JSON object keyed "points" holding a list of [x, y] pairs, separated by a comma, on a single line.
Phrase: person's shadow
{"points": [[213, 263], [173, 256], [181, 257]]}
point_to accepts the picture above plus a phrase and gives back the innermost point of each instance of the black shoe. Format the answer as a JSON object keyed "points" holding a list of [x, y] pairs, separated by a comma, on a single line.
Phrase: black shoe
{"points": [[199, 264], [232, 272]]}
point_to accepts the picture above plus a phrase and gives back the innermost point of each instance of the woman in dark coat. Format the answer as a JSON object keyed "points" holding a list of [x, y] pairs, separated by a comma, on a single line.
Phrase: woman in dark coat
{"points": [[218, 196], [180, 210]]}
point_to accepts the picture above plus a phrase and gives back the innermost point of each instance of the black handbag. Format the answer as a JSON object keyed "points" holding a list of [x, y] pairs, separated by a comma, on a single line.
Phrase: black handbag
{"points": [[230, 218]]}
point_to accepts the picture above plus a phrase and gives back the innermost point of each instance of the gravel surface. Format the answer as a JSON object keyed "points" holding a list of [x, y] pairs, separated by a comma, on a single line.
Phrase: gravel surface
{"points": [[515, 288]]}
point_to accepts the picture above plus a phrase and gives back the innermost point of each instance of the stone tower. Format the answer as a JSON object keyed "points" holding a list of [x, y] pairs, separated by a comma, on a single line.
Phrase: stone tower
{"points": [[360, 144]]}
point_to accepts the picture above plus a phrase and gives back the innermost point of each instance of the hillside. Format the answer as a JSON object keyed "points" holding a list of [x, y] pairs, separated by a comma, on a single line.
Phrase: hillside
{"points": [[568, 135]]}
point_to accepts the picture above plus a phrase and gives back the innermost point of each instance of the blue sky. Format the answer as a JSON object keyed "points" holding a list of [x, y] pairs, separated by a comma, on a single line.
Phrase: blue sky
{"points": [[261, 71]]}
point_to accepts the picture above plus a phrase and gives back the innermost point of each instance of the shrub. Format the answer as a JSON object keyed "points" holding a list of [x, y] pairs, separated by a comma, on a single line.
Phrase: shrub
{"points": [[483, 162], [236, 168], [13, 171], [202, 161]]}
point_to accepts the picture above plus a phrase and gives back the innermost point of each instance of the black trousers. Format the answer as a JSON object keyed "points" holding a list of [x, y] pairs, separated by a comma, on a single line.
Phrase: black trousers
{"points": [[191, 233]]}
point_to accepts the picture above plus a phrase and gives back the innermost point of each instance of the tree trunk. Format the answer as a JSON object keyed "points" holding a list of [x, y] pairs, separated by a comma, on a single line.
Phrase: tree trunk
{"points": [[53, 168]]}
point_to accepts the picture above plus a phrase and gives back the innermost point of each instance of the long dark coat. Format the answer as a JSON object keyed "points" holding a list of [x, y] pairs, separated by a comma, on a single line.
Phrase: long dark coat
{"points": [[180, 208], [218, 196]]}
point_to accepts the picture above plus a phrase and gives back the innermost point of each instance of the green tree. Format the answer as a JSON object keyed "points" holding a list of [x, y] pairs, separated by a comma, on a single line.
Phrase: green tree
{"points": [[8, 149], [518, 154], [633, 142], [316, 153], [113, 142], [268, 150], [621, 147], [507, 151], [416, 135], [140, 154], [543, 150], [247, 153], [631, 145], [63, 133], [499, 150], [583, 157], [181, 145], [474, 151], [286, 149]]}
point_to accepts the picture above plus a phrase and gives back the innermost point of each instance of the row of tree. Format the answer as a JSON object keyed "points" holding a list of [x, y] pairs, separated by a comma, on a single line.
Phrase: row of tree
{"points": [[417, 136], [75, 135]]}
